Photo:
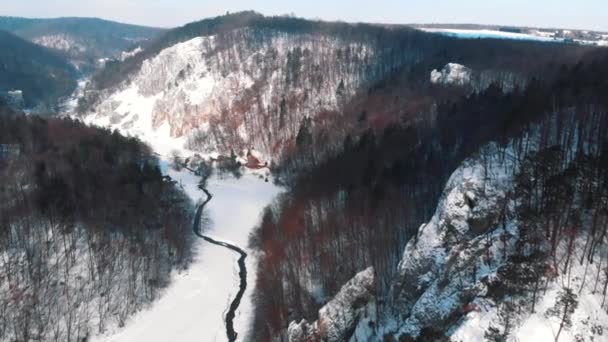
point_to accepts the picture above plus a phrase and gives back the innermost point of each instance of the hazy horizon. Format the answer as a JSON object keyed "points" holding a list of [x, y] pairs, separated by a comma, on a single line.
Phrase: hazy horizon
{"points": [[167, 14]]}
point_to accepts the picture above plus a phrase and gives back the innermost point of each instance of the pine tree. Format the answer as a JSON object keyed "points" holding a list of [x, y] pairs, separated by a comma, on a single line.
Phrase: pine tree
{"points": [[564, 308]]}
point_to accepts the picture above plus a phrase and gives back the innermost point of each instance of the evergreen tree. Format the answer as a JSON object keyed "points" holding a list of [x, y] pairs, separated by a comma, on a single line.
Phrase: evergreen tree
{"points": [[563, 309]]}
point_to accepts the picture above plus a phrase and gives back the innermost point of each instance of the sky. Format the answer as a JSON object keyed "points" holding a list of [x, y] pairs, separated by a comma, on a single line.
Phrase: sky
{"points": [[575, 14]]}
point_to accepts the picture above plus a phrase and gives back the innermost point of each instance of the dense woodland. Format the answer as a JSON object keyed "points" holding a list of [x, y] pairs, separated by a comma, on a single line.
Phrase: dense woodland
{"points": [[89, 228], [360, 207], [342, 77], [42, 75], [44, 57], [395, 43]]}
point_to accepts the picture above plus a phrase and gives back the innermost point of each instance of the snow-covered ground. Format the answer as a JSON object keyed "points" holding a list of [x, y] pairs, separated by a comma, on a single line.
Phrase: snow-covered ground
{"points": [[474, 34], [69, 106], [193, 307], [589, 319], [541, 36], [63, 42]]}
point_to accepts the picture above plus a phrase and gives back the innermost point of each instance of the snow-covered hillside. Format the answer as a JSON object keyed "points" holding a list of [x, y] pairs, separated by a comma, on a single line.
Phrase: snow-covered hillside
{"points": [[235, 91], [433, 280], [462, 275], [63, 42], [490, 34]]}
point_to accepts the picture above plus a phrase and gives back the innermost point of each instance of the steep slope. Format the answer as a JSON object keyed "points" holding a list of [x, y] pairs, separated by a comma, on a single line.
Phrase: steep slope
{"points": [[481, 269], [431, 281], [83, 40], [476, 271], [239, 95], [339, 317], [365, 208], [90, 229], [443, 265], [245, 80], [40, 75]]}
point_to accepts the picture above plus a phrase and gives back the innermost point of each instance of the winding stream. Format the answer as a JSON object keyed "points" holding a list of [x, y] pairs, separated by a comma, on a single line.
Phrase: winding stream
{"points": [[229, 319], [199, 304]]}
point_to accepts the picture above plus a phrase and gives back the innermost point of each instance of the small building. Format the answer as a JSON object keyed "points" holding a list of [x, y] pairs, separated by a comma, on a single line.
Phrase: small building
{"points": [[254, 160]]}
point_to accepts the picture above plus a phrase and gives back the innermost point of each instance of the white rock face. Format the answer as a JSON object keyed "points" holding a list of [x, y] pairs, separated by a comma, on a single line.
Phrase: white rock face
{"points": [[452, 74], [61, 42], [444, 266], [448, 270], [239, 93], [127, 54], [340, 316]]}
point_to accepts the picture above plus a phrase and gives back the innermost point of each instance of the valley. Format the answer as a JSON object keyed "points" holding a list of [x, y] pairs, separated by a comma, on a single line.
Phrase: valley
{"points": [[273, 178], [196, 304]]}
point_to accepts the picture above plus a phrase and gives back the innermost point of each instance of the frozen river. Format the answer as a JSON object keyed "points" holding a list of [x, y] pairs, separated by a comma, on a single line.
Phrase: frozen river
{"points": [[195, 303]]}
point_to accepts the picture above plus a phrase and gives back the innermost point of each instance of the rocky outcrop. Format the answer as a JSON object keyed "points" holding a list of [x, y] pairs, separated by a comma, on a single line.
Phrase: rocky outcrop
{"points": [[452, 74], [448, 263], [238, 89], [339, 318], [62, 42]]}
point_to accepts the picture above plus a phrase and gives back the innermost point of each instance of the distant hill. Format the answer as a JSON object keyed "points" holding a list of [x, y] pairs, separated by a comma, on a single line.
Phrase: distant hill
{"points": [[40, 74], [83, 40]]}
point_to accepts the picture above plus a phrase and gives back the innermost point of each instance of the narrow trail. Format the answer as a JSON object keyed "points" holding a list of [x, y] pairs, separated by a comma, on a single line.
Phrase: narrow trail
{"points": [[229, 319]]}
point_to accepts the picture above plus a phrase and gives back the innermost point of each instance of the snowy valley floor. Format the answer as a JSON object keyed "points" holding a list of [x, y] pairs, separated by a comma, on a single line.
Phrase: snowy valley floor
{"points": [[193, 306]]}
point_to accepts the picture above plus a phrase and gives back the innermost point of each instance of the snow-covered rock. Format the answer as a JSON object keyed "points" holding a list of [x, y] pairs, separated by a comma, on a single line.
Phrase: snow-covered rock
{"points": [[127, 54], [63, 42], [452, 74], [339, 318], [235, 90], [448, 274], [447, 264]]}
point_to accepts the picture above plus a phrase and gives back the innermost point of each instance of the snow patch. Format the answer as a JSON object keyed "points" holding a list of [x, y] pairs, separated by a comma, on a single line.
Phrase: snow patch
{"points": [[127, 54], [452, 73], [63, 42], [489, 34]]}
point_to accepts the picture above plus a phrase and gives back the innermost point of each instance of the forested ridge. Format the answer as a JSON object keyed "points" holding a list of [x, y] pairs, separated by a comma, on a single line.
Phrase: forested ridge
{"points": [[361, 206], [42, 75], [274, 76], [83, 41], [395, 43], [89, 230]]}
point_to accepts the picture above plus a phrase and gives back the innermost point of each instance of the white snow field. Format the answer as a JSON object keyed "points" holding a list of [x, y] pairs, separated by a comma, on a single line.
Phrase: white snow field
{"points": [[488, 34], [194, 304]]}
